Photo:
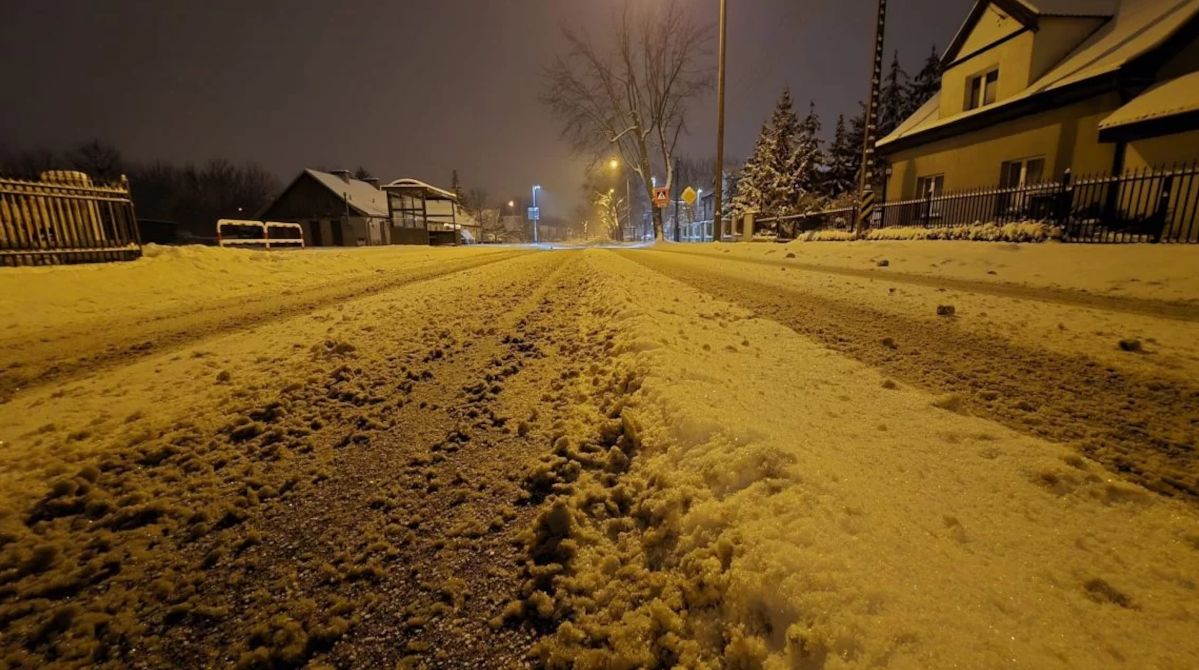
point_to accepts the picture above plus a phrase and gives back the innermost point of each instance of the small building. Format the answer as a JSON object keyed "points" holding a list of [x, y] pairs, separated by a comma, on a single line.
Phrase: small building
{"points": [[420, 213], [1032, 88], [334, 209]]}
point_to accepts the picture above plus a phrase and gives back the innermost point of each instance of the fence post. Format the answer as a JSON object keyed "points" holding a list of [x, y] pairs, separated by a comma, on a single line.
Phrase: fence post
{"points": [[1065, 200], [928, 206], [1162, 214]]}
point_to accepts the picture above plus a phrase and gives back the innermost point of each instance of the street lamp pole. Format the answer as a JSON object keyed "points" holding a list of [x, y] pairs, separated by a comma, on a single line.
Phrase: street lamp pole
{"points": [[537, 216], [717, 219]]}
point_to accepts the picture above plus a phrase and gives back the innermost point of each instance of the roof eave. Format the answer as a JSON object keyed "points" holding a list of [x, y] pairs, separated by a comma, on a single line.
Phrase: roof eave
{"points": [[1034, 103], [1016, 9]]}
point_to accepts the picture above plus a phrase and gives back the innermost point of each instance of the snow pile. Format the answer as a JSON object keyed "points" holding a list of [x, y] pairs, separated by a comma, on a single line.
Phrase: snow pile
{"points": [[1152, 272], [190, 278], [1022, 231], [787, 507]]}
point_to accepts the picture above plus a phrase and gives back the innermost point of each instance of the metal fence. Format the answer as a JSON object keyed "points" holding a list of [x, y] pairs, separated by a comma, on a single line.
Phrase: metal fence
{"points": [[64, 218], [1147, 205]]}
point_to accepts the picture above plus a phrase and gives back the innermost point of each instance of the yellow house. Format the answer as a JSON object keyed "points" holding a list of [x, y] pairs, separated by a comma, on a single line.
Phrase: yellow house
{"points": [[1031, 88]]}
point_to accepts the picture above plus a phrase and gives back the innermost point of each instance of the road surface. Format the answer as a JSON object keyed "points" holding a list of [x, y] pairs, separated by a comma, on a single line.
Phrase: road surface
{"points": [[603, 458]]}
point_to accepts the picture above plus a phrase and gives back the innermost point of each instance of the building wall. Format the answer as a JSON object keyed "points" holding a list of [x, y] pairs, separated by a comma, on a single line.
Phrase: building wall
{"points": [[1067, 137], [1021, 59], [1165, 150], [1014, 60]]}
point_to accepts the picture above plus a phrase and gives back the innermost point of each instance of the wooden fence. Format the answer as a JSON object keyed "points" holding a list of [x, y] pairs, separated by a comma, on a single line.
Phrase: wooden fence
{"points": [[65, 218]]}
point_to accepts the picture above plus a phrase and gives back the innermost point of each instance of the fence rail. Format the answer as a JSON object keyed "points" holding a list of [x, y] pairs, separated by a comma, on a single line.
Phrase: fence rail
{"points": [[66, 219], [1148, 205]]}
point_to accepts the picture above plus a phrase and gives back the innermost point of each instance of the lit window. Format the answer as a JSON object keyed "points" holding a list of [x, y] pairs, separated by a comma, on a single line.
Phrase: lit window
{"points": [[982, 90]]}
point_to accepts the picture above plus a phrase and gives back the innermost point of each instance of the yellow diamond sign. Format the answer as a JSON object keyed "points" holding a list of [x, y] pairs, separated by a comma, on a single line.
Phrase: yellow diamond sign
{"points": [[689, 196]]}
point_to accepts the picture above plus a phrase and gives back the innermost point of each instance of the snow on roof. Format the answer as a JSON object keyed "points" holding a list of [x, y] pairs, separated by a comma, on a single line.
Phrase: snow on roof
{"points": [[1177, 96], [416, 183], [1072, 7], [1139, 27], [362, 195]]}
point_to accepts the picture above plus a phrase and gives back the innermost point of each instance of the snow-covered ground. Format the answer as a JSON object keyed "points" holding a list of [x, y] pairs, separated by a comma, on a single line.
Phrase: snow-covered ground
{"points": [[689, 456]]}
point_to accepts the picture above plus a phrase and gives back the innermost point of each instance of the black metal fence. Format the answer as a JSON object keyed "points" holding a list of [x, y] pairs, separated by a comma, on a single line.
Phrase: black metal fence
{"points": [[1147, 205], [66, 219]]}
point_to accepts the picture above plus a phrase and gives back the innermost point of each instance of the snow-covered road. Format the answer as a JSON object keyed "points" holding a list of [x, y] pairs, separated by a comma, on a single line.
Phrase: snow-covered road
{"points": [[737, 456]]}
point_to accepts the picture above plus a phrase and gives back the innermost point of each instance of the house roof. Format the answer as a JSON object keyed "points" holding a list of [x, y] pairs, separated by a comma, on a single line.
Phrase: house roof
{"points": [[1137, 29], [1171, 98], [1071, 7], [362, 196], [416, 183], [1027, 12]]}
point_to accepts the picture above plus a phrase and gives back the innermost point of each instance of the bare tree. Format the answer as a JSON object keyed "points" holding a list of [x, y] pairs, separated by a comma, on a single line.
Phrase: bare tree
{"points": [[631, 96], [607, 210], [100, 160]]}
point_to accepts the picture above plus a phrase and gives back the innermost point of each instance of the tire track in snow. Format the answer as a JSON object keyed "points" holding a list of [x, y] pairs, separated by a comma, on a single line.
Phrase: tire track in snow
{"points": [[76, 353], [364, 517], [1165, 309], [1144, 428]]}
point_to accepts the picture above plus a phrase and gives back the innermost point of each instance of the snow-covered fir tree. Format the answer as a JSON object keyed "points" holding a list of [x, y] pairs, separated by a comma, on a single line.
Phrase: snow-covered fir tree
{"points": [[924, 85], [753, 178], [806, 168], [844, 156], [893, 103], [780, 174], [786, 171]]}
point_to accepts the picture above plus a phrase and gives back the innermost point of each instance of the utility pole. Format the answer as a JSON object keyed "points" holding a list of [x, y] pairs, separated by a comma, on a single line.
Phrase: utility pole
{"points": [[870, 127], [677, 196], [717, 219]]}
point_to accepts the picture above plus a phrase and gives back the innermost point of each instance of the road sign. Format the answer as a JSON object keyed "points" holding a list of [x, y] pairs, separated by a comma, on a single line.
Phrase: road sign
{"points": [[661, 197], [689, 196], [534, 213]]}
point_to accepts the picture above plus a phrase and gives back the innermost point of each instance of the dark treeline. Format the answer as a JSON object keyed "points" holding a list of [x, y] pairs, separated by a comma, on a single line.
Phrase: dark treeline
{"points": [[192, 196]]}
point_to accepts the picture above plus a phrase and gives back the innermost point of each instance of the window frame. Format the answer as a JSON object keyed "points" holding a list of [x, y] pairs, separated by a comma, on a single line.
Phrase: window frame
{"points": [[979, 86], [937, 181]]}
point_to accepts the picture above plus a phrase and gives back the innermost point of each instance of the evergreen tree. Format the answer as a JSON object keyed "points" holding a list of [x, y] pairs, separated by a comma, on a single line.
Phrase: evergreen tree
{"points": [[894, 101], [807, 165], [753, 178], [844, 157], [780, 173], [925, 85]]}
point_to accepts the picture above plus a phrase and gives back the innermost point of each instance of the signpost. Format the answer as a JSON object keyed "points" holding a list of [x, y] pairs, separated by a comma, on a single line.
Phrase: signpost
{"points": [[661, 197], [690, 196]]}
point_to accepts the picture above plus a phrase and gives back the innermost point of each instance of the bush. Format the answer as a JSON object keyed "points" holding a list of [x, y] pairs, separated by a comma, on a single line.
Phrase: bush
{"points": [[1022, 231]]}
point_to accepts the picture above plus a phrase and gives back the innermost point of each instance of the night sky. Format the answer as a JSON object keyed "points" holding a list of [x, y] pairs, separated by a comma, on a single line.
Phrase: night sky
{"points": [[404, 88]]}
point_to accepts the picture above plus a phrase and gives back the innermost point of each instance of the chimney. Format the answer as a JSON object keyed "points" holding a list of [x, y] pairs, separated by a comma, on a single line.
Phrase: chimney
{"points": [[344, 174], [373, 181]]}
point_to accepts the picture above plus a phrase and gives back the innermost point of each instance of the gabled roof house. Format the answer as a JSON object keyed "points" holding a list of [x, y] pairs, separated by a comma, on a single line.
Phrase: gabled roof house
{"points": [[334, 209], [1031, 88]]}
